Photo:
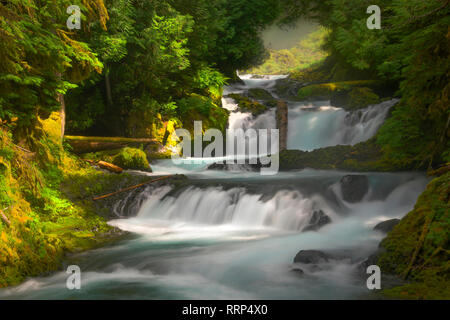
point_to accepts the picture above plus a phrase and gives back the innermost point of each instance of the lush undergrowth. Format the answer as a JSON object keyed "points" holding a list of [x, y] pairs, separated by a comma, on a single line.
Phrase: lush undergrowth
{"points": [[418, 249], [46, 203]]}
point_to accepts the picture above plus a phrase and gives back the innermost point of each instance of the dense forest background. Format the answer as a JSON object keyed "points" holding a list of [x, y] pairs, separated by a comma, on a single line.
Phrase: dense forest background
{"points": [[141, 68], [133, 62]]}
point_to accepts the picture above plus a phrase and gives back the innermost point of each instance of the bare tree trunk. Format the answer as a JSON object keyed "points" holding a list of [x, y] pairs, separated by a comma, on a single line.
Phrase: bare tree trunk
{"points": [[282, 124], [62, 113], [108, 88]]}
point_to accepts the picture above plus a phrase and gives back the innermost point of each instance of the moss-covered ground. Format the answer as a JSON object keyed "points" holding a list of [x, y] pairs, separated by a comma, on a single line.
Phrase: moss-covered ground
{"points": [[46, 203]]}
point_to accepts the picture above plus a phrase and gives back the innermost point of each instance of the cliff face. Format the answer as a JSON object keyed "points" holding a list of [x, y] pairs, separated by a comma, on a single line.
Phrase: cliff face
{"points": [[418, 249]]}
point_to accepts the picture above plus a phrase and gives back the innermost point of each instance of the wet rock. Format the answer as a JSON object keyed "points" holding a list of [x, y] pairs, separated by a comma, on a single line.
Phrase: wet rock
{"points": [[288, 88], [258, 76], [297, 270], [246, 104], [234, 167], [259, 94], [370, 261], [311, 257], [386, 226], [237, 167], [318, 220], [354, 187]]}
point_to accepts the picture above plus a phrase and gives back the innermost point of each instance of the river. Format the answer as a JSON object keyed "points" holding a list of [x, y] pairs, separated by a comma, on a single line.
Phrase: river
{"points": [[234, 234]]}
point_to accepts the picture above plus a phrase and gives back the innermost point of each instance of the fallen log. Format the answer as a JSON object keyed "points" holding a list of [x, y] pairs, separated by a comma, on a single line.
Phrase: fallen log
{"points": [[110, 167], [82, 144], [131, 188], [105, 165], [5, 218]]}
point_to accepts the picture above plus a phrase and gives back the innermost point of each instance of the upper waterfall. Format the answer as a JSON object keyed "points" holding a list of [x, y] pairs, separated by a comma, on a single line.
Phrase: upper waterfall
{"points": [[310, 125]]}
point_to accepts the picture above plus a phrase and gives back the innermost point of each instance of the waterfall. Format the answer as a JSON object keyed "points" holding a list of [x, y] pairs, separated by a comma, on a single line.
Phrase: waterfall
{"points": [[275, 207], [287, 210], [313, 127]]}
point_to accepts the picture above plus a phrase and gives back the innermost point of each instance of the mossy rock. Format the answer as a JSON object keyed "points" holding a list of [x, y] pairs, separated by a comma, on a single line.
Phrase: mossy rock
{"points": [[247, 105], [315, 73], [362, 97], [347, 94], [317, 92], [259, 94], [357, 98], [162, 154], [132, 158], [288, 88], [362, 157]]}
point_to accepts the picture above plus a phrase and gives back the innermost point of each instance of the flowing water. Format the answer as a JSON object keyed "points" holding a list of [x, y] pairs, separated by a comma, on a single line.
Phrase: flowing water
{"points": [[234, 234]]}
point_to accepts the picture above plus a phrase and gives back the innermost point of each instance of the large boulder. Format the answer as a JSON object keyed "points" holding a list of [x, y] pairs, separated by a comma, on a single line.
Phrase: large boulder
{"points": [[246, 104], [132, 158], [354, 187], [259, 94], [386, 226], [311, 257], [287, 89], [317, 221]]}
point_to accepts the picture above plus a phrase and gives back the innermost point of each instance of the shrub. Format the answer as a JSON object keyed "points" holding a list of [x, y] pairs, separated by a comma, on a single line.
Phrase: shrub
{"points": [[132, 158]]}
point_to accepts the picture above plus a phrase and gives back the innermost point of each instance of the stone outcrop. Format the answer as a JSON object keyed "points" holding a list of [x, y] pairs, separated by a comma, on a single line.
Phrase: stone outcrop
{"points": [[386, 226]]}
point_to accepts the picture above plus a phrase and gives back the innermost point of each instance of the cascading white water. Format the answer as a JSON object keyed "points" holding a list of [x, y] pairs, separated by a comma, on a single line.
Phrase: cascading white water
{"points": [[285, 210], [281, 209], [265, 82], [245, 120], [318, 127], [310, 126]]}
